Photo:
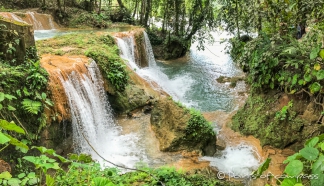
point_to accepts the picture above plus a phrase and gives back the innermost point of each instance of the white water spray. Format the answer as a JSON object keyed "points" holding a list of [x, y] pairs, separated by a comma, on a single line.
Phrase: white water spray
{"points": [[176, 87], [240, 160], [92, 117], [236, 161]]}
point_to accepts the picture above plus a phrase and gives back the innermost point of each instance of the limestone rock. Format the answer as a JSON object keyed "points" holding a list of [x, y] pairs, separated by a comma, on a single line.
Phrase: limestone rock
{"points": [[20, 35], [170, 121], [132, 98]]}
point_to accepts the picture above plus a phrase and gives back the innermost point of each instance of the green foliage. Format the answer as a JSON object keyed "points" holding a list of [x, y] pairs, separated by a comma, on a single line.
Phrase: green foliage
{"points": [[263, 167], [198, 127], [282, 62], [31, 106], [111, 65], [23, 84], [82, 18], [6, 138], [282, 114], [308, 161]]}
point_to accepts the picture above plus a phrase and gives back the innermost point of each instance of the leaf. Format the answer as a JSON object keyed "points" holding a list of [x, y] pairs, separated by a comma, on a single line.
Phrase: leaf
{"points": [[17, 143], [321, 54], [33, 181], [262, 168], [308, 77], [312, 142], [294, 168], [309, 153], [14, 182], [32, 159], [314, 52], [3, 138], [101, 181], [21, 175], [5, 175], [49, 180], [31, 106], [11, 108], [289, 182], [11, 126], [10, 97], [301, 82], [31, 175], [320, 75], [319, 163], [44, 150], [315, 87], [2, 96], [294, 81], [317, 66], [292, 157], [318, 178]]}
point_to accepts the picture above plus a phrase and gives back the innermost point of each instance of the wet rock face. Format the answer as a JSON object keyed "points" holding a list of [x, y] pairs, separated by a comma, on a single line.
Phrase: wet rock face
{"points": [[18, 35], [259, 117], [170, 124], [132, 98]]}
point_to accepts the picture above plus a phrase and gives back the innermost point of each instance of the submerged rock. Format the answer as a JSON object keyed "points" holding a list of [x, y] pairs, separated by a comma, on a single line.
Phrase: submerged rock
{"points": [[178, 129]]}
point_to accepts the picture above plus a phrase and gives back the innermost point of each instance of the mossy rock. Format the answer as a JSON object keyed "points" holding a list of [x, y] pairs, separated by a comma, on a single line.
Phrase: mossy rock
{"points": [[177, 128], [131, 98], [258, 118]]}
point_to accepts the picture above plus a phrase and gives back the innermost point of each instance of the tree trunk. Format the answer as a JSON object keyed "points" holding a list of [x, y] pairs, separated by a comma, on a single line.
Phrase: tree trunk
{"points": [[121, 4], [99, 11], [237, 19], [259, 26], [177, 15], [142, 12], [147, 12], [59, 5], [136, 5]]}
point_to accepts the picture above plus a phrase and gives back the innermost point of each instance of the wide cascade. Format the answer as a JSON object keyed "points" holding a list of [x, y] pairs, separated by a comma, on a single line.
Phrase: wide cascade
{"points": [[39, 21], [94, 128]]}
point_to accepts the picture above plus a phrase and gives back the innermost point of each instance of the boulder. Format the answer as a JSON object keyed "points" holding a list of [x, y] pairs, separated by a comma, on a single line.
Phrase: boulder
{"points": [[177, 128], [18, 37]]}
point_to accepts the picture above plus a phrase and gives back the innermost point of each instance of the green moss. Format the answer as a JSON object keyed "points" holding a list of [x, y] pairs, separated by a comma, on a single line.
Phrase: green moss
{"points": [[13, 21], [198, 127], [128, 100], [257, 118]]}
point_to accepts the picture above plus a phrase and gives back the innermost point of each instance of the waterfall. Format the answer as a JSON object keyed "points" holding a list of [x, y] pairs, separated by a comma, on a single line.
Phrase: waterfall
{"points": [[127, 51], [92, 117], [238, 160], [149, 51], [176, 87], [39, 21]]}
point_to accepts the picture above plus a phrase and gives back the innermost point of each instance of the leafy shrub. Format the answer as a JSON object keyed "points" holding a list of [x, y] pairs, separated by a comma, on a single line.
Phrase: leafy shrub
{"points": [[198, 127], [307, 165], [282, 62]]}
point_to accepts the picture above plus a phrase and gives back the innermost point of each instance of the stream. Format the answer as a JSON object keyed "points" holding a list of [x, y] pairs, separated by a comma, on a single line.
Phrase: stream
{"points": [[190, 80]]}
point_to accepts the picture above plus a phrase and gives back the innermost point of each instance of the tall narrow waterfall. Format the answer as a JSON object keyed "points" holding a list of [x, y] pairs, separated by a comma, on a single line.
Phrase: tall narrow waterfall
{"points": [[153, 73], [92, 118]]}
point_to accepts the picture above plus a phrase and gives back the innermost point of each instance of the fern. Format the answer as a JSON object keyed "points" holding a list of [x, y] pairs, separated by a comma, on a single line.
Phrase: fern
{"points": [[31, 106]]}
